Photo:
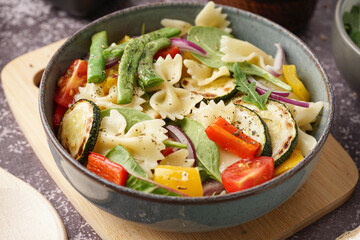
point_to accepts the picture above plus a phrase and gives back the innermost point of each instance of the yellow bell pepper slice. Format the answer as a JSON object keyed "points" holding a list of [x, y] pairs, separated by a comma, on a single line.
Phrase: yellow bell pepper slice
{"points": [[126, 38], [183, 179], [295, 158], [293, 80], [111, 79]]}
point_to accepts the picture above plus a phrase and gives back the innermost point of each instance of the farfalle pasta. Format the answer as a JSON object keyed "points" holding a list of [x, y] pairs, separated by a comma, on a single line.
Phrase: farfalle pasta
{"points": [[207, 113], [203, 74], [95, 93], [236, 50], [175, 23], [212, 17], [144, 140], [170, 101]]}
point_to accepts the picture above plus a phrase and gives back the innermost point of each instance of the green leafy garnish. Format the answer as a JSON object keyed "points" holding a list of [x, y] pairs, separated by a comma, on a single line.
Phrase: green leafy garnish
{"points": [[252, 69], [207, 153], [120, 155], [146, 185], [244, 86], [208, 38], [352, 24]]}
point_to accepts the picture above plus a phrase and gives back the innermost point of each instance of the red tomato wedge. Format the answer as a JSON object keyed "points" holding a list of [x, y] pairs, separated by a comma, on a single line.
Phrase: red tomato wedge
{"points": [[59, 112], [172, 50], [245, 174], [107, 169], [68, 84], [232, 139]]}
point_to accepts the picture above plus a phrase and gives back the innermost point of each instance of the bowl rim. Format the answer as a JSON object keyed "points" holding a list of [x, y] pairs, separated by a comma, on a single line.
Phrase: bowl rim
{"points": [[340, 26], [189, 200]]}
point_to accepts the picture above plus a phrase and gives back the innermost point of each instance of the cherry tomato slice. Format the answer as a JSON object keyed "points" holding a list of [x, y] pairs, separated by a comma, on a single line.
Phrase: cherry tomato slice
{"points": [[59, 112], [68, 84], [107, 169], [245, 174], [172, 50]]}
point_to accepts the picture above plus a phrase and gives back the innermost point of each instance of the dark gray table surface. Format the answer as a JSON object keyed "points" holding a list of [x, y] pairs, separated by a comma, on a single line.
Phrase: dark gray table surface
{"points": [[26, 25]]}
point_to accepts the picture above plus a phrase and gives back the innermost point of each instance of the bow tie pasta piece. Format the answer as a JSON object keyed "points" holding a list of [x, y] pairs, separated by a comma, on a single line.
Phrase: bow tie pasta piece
{"points": [[207, 113], [144, 140], [236, 50], [226, 158], [170, 101], [147, 109], [169, 69], [178, 158], [182, 25], [114, 124], [111, 127], [306, 142], [212, 17], [305, 116], [203, 74], [95, 92], [173, 102]]}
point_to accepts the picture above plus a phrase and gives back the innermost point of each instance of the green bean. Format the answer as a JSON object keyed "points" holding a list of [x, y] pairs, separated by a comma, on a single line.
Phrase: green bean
{"points": [[146, 71], [127, 70], [115, 50], [96, 63], [167, 32], [118, 50]]}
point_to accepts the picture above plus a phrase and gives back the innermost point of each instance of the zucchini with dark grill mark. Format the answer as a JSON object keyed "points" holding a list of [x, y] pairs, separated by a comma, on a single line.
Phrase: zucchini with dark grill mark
{"points": [[220, 89], [79, 128], [282, 128], [250, 123]]}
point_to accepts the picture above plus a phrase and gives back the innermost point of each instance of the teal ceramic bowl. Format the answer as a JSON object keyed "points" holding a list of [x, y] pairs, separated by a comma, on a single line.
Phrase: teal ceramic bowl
{"points": [[345, 51], [191, 214]]}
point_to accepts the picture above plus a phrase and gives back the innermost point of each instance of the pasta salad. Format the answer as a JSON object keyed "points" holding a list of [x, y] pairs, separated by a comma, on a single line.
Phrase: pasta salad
{"points": [[185, 110]]}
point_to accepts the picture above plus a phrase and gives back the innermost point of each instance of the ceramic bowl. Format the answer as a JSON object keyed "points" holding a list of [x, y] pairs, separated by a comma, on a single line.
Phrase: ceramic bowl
{"points": [[345, 51], [191, 214]]}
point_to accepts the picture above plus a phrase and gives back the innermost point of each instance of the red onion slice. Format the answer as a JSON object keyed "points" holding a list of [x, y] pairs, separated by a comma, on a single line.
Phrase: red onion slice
{"points": [[279, 61], [212, 187], [259, 85], [178, 135], [284, 99], [110, 62], [184, 44]]}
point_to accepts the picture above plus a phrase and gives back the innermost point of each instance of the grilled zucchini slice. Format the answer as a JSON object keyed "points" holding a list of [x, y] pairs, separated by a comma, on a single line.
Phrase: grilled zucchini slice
{"points": [[282, 128], [250, 123], [79, 128], [220, 89]]}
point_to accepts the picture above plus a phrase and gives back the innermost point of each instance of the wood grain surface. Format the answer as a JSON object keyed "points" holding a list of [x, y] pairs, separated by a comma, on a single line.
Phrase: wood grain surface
{"points": [[330, 185]]}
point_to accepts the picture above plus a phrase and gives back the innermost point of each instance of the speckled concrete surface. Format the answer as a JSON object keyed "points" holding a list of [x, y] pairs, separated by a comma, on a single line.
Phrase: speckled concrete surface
{"points": [[26, 25]]}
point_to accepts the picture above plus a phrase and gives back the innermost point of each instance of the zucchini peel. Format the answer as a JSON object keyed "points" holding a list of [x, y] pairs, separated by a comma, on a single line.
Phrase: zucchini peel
{"points": [[79, 129], [282, 127]]}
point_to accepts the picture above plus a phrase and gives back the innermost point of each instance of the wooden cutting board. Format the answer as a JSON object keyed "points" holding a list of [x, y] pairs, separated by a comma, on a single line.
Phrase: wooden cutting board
{"points": [[330, 185]]}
